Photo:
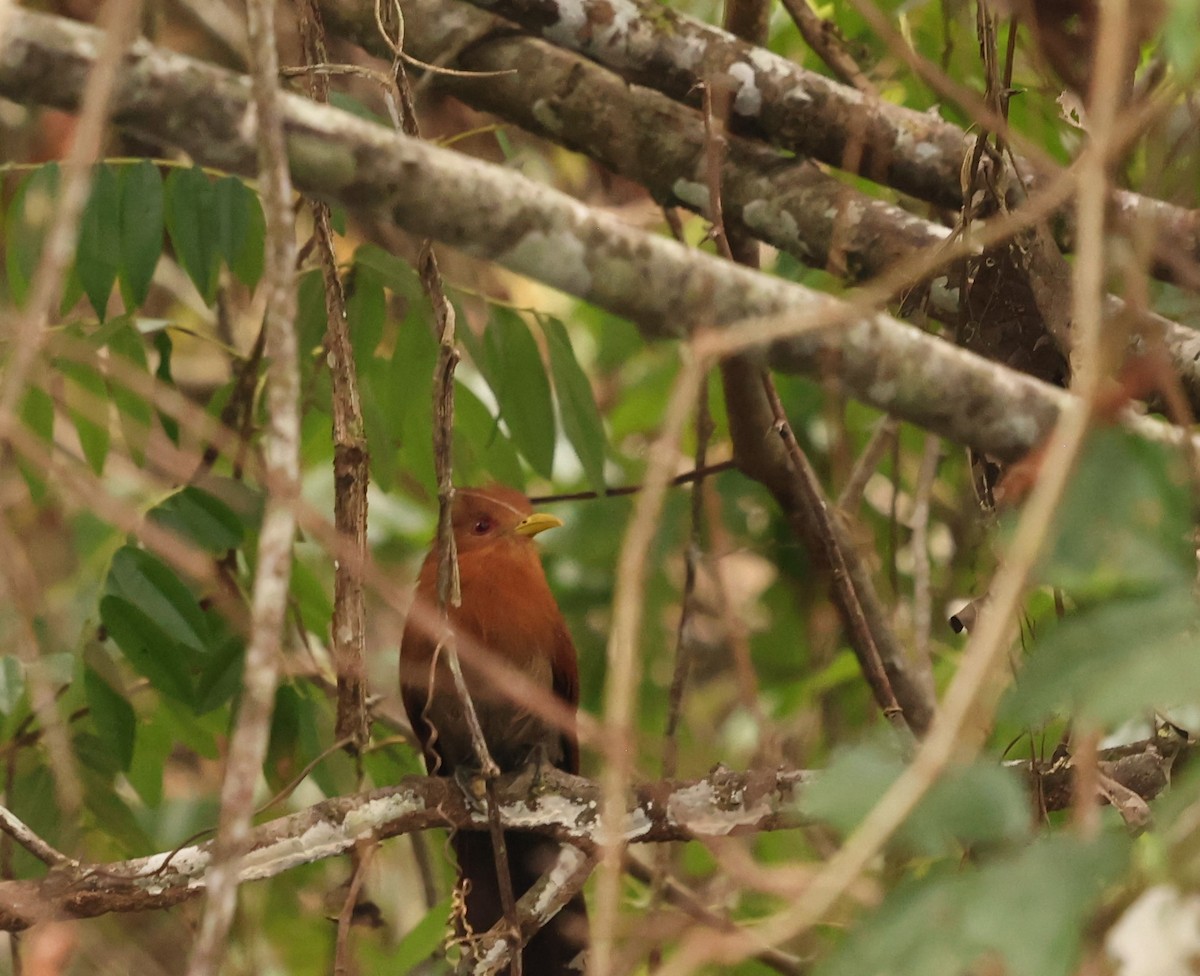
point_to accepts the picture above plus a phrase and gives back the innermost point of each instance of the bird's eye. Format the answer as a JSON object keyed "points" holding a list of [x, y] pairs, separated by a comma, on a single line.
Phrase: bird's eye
{"points": [[482, 525]]}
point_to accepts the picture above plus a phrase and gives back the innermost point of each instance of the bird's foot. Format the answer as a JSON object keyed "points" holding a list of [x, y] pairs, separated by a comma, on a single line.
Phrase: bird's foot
{"points": [[529, 777], [474, 786]]}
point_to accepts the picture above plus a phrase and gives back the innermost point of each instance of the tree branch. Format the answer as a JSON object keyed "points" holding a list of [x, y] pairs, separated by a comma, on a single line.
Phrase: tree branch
{"points": [[566, 807], [915, 152], [644, 135], [489, 211]]}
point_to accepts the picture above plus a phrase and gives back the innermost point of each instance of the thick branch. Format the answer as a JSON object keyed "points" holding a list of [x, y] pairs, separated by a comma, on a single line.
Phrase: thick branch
{"points": [[915, 152], [495, 213], [791, 204], [565, 807]]}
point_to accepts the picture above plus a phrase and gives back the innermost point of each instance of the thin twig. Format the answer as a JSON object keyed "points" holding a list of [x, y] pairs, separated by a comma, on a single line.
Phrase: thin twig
{"points": [[625, 661], [960, 726], [684, 638], [281, 451], [448, 590], [854, 615], [883, 437], [15, 828], [922, 585], [687, 478], [360, 859], [822, 36], [351, 457]]}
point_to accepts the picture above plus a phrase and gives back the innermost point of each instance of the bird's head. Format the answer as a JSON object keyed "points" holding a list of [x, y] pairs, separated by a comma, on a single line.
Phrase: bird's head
{"points": [[483, 516]]}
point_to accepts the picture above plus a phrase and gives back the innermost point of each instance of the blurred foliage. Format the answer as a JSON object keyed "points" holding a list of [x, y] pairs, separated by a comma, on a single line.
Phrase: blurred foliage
{"points": [[149, 358]]}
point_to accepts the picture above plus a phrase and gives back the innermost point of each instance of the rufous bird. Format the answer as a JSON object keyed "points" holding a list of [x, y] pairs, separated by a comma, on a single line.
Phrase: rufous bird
{"points": [[506, 610]]}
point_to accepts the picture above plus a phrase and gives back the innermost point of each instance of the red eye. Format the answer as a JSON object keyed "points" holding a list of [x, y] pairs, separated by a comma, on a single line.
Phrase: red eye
{"points": [[482, 526]]}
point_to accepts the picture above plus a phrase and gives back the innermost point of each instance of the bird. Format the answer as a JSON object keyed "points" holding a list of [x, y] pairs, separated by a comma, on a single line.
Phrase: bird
{"points": [[507, 610]]}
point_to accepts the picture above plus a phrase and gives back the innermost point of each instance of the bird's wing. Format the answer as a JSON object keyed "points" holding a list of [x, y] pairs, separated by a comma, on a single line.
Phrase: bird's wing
{"points": [[565, 672]]}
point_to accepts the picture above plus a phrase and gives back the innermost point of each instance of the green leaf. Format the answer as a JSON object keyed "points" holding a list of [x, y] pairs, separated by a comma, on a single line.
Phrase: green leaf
{"points": [[112, 716], [25, 228], [98, 255], [482, 451], [1113, 661], [1028, 910], [37, 413], [12, 683], [241, 229], [522, 388], [193, 223], [134, 411], [221, 675], [366, 313], [1125, 522], [151, 586], [151, 749], [422, 940], [311, 316], [395, 273], [279, 764], [141, 229], [201, 518], [576, 403], [1179, 37], [164, 348], [148, 647], [233, 217], [975, 804], [398, 405], [86, 393], [311, 597], [248, 261]]}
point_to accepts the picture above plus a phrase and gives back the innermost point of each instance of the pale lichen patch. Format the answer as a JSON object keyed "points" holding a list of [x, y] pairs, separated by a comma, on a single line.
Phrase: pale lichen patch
{"points": [[572, 23], [547, 116], [690, 192], [558, 258], [748, 100]]}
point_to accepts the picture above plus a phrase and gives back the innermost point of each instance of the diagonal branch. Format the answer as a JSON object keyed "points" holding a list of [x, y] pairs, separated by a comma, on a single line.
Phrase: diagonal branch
{"points": [[799, 110], [489, 211], [660, 143]]}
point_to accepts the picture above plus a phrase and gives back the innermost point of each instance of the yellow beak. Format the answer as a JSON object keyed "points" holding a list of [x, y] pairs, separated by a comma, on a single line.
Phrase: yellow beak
{"points": [[537, 522]]}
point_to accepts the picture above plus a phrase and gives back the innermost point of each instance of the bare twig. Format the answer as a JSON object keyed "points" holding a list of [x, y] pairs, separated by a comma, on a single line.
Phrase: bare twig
{"points": [[351, 457], [687, 478], [281, 467], [18, 831], [882, 438], [120, 20], [625, 661], [854, 616], [959, 728], [684, 637], [822, 36]]}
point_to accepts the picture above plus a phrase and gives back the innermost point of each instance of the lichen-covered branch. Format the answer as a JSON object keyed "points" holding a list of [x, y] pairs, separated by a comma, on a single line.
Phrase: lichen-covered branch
{"points": [[666, 289], [791, 204], [916, 152], [565, 807]]}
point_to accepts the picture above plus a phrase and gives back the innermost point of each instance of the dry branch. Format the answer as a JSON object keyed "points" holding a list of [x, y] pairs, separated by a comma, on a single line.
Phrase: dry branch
{"points": [[492, 212], [791, 204], [537, 231], [915, 152], [565, 807]]}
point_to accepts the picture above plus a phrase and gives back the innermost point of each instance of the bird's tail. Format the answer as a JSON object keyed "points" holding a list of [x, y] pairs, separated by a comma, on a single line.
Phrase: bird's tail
{"points": [[556, 948]]}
